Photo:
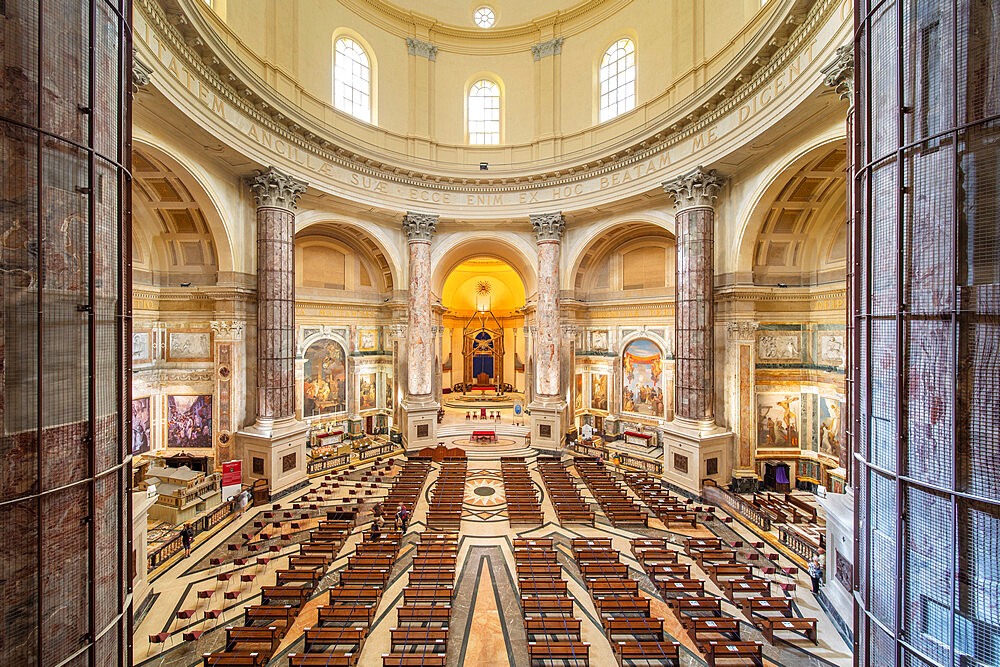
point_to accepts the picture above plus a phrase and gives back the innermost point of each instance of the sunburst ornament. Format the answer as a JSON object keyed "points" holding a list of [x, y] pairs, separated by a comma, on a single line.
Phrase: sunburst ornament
{"points": [[483, 287]]}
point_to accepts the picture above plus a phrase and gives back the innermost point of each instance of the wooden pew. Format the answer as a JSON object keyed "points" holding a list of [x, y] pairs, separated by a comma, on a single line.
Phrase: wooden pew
{"points": [[723, 653], [246, 639], [666, 654], [719, 628], [804, 627], [573, 653], [347, 659], [227, 659]]}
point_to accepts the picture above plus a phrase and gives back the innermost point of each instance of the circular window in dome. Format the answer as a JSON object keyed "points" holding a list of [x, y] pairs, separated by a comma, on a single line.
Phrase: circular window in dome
{"points": [[484, 17]]}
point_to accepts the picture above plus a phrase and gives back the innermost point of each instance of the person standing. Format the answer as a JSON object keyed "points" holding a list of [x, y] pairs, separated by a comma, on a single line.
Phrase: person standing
{"points": [[402, 517], [815, 573], [243, 500], [187, 537], [376, 533]]}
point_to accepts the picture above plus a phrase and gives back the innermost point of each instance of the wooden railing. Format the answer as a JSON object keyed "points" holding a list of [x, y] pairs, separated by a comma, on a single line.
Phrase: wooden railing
{"points": [[719, 496], [326, 463], [795, 542], [200, 524]]}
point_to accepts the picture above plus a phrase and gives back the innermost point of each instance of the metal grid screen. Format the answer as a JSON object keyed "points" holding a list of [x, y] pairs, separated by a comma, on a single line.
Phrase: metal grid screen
{"points": [[65, 76], [926, 332]]}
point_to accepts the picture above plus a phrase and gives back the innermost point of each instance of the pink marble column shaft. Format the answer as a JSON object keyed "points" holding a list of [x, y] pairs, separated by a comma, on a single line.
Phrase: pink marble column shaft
{"points": [[548, 230], [276, 195], [419, 228], [694, 318]]}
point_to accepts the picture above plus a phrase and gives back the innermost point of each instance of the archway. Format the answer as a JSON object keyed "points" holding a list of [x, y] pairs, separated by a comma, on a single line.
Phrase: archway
{"points": [[484, 342]]}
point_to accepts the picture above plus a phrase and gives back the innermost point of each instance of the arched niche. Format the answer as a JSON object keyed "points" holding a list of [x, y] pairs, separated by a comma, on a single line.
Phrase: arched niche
{"points": [[630, 259], [644, 391]]}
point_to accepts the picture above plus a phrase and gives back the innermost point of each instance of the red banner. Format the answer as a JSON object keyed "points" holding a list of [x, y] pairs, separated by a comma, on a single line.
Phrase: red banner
{"points": [[232, 473]]}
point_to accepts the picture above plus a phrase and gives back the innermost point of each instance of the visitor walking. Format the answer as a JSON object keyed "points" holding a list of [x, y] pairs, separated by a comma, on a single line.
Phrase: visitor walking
{"points": [[402, 517], [376, 533], [187, 537], [243, 500]]}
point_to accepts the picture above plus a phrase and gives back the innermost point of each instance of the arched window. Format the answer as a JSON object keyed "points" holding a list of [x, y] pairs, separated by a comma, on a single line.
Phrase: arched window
{"points": [[352, 79], [617, 78], [484, 113]]}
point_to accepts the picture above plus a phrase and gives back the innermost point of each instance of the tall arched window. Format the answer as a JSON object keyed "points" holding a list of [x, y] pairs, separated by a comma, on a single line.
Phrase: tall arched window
{"points": [[617, 78], [352, 79], [484, 113]]}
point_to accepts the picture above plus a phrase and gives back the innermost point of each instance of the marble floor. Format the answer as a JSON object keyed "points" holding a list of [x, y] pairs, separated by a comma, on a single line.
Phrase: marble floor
{"points": [[486, 622]]}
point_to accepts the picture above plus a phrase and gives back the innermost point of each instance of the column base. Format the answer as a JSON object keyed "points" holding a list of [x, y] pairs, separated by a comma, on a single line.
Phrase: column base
{"points": [[420, 423], [547, 423], [276, 452], [688, 449]]}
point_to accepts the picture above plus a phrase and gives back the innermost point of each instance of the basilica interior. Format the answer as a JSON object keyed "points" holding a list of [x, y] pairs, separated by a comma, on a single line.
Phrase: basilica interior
{"points": [[510, 333]]}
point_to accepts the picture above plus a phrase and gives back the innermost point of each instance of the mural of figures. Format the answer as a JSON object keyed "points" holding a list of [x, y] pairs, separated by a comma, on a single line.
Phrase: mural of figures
{"points": [[642, 373], [325, 379], [598, 391], [579, 391], [830, 426], [366, 392], [141, 439], [189, 421], [778, 420], [389, 398]]}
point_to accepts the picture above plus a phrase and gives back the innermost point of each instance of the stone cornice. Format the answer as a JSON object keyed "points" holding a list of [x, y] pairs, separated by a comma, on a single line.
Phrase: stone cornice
{"points": [[735, 83]]}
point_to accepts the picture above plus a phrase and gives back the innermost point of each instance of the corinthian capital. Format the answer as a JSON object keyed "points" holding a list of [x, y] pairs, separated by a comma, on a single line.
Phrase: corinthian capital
{"points": [[548, 226], [419, 226], [697, 188], [273, 189], [228, 329], [839, 73], [741, 330]]}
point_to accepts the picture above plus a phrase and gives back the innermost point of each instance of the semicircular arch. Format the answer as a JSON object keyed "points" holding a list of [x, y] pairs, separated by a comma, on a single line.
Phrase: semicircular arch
{"points": [[452, 250]]}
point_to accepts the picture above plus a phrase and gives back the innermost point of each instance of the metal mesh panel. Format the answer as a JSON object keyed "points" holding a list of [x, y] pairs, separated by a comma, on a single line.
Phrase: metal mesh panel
{"points": [[64, 128], [927, 311]]}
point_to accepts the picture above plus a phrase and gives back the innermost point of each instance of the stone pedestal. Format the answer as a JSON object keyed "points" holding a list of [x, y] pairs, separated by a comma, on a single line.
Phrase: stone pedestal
{"points": [[839, 509], [421, 424], [140, 547], [688, 451], [547, 425], [278, 455]]}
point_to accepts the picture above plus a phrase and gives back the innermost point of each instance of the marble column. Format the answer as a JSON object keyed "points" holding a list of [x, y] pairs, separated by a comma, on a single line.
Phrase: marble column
{"points": [[694, 392], [693, 443], [546, 409], [275, 194], [421, 408], [274, 448]]}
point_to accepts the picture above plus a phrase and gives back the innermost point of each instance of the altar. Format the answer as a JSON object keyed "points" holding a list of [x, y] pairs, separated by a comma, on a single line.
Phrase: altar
{"points": [[637, 438]]}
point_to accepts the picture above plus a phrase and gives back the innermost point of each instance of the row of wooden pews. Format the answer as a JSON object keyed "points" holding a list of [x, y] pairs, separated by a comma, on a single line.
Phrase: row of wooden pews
{"points": [[265, 624], [343, 623], [785, 508], [522, 497], [563, 492], [613, 499], [552, 630], [635, 635], [420, 637], [448, 496], [667, 507]]}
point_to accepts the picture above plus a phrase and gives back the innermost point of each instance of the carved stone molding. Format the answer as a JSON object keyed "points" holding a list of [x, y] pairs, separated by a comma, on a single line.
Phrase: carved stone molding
{"points": [[570, 330], [839, 73], [231, 330], [553, 47], [141, 73], [423, 49], [548, 226], [397, 330], [743, 330], [274, 189], [419, 226], [694, 189]]}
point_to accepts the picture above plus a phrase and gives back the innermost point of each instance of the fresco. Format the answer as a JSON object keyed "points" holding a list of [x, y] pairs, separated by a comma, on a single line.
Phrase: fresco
{"points": [[324, 381], [598, 391], [579, 391], [831, 426], [366, 392], [189, 421], [141, 434], [778, 420], [389, 398], [642, 373]]}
